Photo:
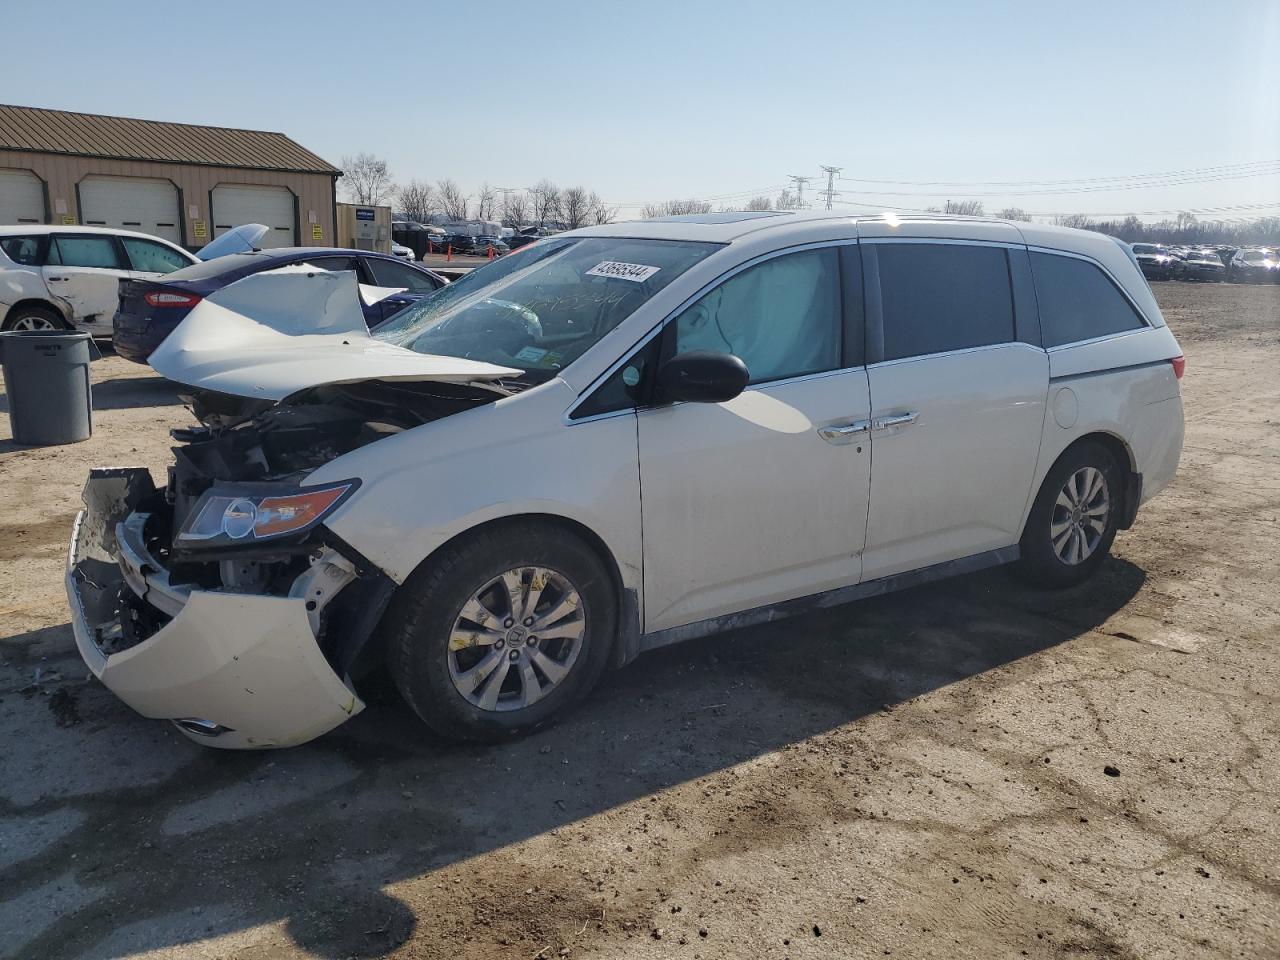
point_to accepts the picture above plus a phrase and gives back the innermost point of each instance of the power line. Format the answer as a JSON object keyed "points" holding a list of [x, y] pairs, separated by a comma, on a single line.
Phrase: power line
{"points": [[1222, 168], [1108, 188]]}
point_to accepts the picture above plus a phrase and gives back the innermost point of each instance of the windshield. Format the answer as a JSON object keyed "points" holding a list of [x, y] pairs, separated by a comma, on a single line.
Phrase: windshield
{"points": [[1146, 248], [542, 307]]}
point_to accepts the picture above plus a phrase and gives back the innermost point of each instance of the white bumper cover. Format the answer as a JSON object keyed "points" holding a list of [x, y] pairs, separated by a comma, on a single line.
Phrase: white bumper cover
{"points": [[233, 670]]}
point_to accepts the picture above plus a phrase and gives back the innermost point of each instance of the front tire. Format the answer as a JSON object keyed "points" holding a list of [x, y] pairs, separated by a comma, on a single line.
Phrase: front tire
{"points": [[501, 633], [1074, 518]]}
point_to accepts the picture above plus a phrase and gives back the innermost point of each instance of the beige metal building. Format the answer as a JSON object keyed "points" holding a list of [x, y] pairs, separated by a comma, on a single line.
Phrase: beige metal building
{"points": [[183, 182]]}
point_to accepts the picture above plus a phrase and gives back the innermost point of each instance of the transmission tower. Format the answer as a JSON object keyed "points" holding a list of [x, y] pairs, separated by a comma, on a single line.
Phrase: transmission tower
{"points": [[800, 183], [831, 183]]}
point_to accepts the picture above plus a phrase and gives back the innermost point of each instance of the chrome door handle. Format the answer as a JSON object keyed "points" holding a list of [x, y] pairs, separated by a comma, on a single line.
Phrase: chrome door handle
{"points": [[845, 432], [894, 420]]}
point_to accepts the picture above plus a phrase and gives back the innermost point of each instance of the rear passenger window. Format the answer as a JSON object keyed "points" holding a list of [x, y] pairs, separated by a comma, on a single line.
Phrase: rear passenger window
{"points": [[938, 297], [98, 251], [1078, 301]]}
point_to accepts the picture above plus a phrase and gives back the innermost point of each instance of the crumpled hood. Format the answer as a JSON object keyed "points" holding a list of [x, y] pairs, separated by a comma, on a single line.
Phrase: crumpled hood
{"points": [[275, 333]]}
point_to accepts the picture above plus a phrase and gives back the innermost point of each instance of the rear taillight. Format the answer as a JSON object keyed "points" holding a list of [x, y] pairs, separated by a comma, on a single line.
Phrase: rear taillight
{"points": [[167, 298], [1179, 365]]}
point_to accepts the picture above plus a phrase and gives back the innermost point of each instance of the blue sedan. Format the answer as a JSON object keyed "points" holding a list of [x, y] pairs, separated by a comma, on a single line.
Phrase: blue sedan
{"points": [[149, 310]]}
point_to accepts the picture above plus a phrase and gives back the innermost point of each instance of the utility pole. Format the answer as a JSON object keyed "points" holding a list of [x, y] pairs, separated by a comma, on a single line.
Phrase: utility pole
{"points": [[831, 182], [799, 182]]}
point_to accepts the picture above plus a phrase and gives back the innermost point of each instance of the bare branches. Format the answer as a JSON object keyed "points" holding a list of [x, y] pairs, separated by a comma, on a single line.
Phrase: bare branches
{"points": [[366, 179], [674, 208], [453, 202], [417, 201]]}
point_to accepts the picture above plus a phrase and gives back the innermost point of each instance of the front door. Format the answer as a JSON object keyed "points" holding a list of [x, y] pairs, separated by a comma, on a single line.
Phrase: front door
{"points": [[762, 498], [957, 404]]}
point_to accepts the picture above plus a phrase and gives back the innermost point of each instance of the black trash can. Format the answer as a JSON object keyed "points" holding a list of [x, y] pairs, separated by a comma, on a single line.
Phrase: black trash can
{"points": [[46, 377]]}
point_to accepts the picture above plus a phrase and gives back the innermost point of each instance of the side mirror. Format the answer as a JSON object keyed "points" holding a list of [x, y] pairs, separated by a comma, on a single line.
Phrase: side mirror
{"points": [[702, 376]]}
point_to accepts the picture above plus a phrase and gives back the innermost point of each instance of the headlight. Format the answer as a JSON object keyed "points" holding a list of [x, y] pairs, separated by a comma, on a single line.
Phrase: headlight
{"points": [[241, 515]]}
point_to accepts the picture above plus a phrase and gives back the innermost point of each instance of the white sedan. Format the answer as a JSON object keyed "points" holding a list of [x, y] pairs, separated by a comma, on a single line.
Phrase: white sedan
{"points": [[615, 439]]}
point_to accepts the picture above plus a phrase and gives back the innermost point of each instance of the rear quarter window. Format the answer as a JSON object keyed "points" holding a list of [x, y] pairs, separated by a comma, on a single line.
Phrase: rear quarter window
{"points": [[1078, 301], [22, 250]]}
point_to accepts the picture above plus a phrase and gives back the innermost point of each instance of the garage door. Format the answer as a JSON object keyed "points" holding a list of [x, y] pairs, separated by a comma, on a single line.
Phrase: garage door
{"points": [[235, 204], [131, 203], [21, 197]]}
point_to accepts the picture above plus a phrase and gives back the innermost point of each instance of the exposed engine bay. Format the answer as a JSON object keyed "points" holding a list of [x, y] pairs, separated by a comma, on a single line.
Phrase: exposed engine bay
{"points": [[244, 440]]}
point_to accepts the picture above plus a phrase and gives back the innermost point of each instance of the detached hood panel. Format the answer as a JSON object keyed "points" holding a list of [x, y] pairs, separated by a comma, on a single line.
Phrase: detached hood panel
{"points": [[275, 333]]}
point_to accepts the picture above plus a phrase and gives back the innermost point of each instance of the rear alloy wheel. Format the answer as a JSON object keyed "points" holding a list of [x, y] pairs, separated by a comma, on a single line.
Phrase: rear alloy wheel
{"points": [[33, 318], [502, 632], [1080, 515], [1074, 518]]}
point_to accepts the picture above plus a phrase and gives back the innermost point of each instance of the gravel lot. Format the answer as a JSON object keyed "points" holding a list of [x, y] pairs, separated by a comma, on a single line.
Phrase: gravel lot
{"points": [[970, 769]]}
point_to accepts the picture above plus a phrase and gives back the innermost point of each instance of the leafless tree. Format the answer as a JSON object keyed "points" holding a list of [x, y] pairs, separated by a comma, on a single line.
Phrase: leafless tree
{"points": [[1014, 213], [453, 202], [601, 212], [1078, 220], [674, 208], [575, 207], [759, 203], [787, 200], [366, 179], [544, 198], [417, 201], [963, 208], [486, 202], [515, 209]]}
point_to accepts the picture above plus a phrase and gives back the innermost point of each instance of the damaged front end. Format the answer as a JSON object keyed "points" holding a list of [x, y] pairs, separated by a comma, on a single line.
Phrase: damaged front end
{"points": [[221, 601]]}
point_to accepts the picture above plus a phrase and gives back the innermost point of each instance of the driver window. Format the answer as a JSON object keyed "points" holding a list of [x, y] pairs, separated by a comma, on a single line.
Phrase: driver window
{"points": [[780, 317]]}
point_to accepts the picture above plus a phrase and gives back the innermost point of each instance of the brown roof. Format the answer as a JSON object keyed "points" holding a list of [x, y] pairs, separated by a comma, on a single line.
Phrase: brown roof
{"points": [[123, 138]]}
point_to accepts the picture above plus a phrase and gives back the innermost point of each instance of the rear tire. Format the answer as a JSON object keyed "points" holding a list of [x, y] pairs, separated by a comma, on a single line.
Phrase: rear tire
{"points": [[34, 318], [1074, 518], [462, 632]]}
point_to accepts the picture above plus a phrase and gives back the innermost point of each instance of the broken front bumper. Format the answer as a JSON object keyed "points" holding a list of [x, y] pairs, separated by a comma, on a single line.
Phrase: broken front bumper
{"points": [[232, 670]]}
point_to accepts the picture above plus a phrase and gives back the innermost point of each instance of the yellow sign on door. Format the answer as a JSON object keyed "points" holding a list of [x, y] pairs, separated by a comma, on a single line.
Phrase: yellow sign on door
{"points": [[68, 220], [317, 232], [198, 229]]}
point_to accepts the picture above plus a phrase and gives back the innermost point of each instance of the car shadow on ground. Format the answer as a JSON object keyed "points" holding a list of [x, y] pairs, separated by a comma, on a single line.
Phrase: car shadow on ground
{"points": [[312, 836], [127, 392], [117, 394]]}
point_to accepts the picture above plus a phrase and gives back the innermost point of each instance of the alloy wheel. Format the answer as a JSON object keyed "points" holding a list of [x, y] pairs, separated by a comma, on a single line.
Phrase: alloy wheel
{"points": [[33, 322], [516, 638], [1080, 515]]}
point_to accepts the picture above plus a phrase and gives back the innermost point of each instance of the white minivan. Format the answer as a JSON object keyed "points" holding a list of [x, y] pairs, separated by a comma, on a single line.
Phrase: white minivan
{"points": [[53, 278], [611, 440]]}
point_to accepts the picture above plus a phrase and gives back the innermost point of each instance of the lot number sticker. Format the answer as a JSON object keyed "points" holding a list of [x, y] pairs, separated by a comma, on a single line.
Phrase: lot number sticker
{"points": [[636, 272]]}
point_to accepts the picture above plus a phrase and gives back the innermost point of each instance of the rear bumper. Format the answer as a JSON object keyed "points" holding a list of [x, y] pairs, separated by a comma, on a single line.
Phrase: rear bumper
{"points": [[135, 337], [232, 670]]}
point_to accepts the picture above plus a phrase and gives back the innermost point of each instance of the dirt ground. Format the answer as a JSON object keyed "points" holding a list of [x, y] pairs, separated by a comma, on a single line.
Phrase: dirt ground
{"points": [[972, 769]]}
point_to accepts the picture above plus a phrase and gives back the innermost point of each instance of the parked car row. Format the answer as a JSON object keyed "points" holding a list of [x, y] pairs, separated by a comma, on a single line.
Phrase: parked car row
{"points": [[1235, 265], [136, 288]]}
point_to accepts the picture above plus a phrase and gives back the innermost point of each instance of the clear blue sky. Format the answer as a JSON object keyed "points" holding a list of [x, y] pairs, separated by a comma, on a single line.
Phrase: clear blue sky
{"points": [[645, 101]]}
